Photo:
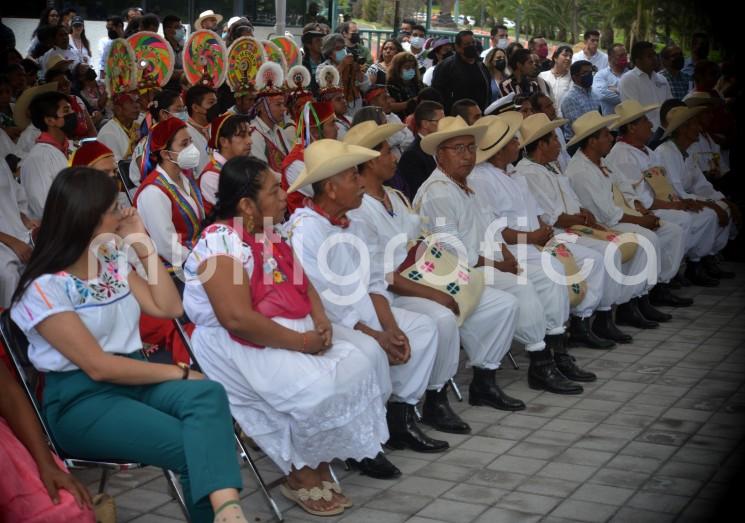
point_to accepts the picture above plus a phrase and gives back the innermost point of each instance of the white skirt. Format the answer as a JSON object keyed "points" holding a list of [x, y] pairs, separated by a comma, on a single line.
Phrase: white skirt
{"points": [[301, 409]]}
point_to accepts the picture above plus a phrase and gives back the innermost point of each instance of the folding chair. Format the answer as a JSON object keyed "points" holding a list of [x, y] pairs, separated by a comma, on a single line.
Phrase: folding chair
{"points": [[245, 456], [16, 345]]}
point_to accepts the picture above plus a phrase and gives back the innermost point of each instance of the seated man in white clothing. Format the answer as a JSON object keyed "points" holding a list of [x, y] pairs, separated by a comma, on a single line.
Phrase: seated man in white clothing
{"points": [[486, 333], [681, 131], [563, 211], [354, 297], [121, 133], [52, 113], [596, 185], [632, 160], [503, 196], [202, 107], [451, 208]]}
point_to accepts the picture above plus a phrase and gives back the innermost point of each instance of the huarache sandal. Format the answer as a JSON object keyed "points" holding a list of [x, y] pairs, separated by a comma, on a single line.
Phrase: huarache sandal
{"points": [[336, 488], [302, 495]]}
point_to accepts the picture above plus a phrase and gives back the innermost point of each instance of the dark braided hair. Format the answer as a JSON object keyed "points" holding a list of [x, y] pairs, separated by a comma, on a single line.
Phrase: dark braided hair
{"points": [[240, 177]]}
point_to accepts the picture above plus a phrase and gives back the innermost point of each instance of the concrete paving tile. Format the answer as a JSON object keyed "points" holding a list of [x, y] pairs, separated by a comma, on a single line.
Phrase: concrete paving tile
{"points": [[517, 464], [589, 416], [702, 510], [630, 420], [580, 456], [571, 426], [475, 494], [673, 485], [676, 425], [664, 437], [367, 515], [497, 479], [567, 471], [467, 458], [399, 502], [552, 437], [648, 450], [487, 445], [452, 511], [604, 443], [536, 450], [446, 471], [577, 510], [529, 503], [604, 494], [620, 478], [142, 500], [524, 421], [633, 515], [657, 502], [548, 486], [701, 456], [507, 516], [635, 464], [502, 432], [424, 486]]}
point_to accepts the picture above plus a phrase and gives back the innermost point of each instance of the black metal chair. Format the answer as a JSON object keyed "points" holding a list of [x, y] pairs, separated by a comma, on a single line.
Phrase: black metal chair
{"points": [[16, 345]]}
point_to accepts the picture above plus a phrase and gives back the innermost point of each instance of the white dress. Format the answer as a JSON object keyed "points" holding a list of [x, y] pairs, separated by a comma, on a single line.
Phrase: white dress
{"points": [[486, 333], [301, 409], [543, 305]]}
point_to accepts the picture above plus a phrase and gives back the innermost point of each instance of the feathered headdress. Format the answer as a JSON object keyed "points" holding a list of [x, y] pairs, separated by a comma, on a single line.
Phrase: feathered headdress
{"points": [[327, 77], [298, 81], [270, 80]]}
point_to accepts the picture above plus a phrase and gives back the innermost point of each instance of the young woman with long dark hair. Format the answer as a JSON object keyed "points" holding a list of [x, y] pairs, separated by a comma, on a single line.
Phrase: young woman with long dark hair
{"points": [[79, 304]]}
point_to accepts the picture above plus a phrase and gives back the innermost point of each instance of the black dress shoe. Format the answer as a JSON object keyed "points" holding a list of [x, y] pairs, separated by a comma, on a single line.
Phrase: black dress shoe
{"points": [[567, 365], [580, 333], [406, 434], [712, 268], [378, 467], [485, 391], [650, 312], [629, 314], [660, 296], [697, 275], [605, 327], [544, 375], [437, 413], [675, 283]]}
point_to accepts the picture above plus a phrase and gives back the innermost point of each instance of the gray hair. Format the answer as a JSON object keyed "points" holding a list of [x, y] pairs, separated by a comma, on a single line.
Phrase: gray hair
{"points": [[328, 44]]}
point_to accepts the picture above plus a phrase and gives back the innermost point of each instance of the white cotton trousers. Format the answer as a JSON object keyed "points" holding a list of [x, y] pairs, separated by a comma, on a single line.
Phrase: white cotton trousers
{"points": [[543, 304], [301, 409], [10, 274], [701, 230], [597, 296], [669, 242], [410, 380]]}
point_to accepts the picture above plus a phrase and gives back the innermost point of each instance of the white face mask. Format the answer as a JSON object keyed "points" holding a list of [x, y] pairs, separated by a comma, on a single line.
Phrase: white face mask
{"points": [[187, 158], [417, 42], [502, 43], [181, 115]]}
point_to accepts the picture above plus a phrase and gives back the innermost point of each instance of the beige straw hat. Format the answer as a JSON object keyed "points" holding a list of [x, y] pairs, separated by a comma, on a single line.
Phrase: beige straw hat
{"points": [[370, 134], [589, 123], [326, 158], [450, 127], [537, 126], [499, 131]]}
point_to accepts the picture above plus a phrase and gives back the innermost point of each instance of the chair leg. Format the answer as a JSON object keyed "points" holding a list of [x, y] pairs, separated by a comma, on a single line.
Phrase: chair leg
{"points": [[104, 479], [455, 388], [512, 360], [176, 492], [246, 457]]}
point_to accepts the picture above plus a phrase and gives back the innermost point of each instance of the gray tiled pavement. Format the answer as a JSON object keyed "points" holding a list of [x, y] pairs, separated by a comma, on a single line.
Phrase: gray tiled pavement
{"points": [[657, 438]]}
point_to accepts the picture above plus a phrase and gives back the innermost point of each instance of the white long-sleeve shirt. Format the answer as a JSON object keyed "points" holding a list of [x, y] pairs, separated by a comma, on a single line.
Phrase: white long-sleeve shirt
{"points": [[503, 196], [684, 174], [645, 89], [552, 191], [38, 171], [630, 164], [594, 188]]}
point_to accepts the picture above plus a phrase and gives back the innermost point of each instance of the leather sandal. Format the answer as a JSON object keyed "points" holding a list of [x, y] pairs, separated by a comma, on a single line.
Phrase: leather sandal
{"points": [[335, 488], [302, 495]]}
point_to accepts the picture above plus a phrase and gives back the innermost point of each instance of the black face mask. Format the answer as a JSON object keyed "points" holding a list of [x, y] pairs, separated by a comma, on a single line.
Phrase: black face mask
{"points": [[71, 122], [470, 51], [500, 65], [90, 75], [354, 38], [213, 112], [677, 63], [113, 35]]}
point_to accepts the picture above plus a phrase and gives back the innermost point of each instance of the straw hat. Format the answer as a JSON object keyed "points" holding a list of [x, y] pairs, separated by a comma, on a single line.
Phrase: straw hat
{"points": [[20, 110], [204, 15], [697, 98], [326, 158], [589, 123], [232, 20], [57, 61], [369, 134], [537, 126], [680, 115], [499, 131], [629, 111], [450, 127]]}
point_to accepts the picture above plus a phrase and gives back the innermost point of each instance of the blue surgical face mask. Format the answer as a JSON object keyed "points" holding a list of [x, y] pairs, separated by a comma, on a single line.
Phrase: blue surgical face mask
{"points": [[417, 41], [408, 74], [180, 34], [340, 55], [181, 115]]}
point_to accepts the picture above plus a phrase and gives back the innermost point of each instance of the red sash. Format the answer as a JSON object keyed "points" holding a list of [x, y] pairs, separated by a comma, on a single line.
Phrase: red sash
{"points": [[295, 199], [213, 166]]}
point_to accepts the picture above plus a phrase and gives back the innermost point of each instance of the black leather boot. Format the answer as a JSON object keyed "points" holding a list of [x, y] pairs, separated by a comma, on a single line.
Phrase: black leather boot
{"points": [[406, 434], [485, 391], [661, 296], [650, 312], [544, 375], [697, 275], [378, 467], [629, 314], [605, 327], [437, 413], [566, 364], [580, 333], [712, 268]]}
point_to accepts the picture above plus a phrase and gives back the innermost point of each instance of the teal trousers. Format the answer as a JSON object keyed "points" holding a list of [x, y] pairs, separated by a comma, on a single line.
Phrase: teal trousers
{"points": [[183, 426]]}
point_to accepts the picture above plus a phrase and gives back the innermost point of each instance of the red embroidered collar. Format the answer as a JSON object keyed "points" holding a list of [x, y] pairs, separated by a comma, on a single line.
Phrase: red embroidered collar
{"points": [[48, 139], [342, 222]]}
